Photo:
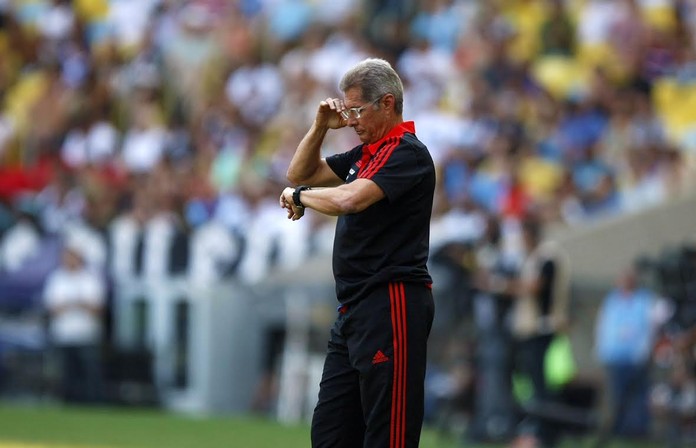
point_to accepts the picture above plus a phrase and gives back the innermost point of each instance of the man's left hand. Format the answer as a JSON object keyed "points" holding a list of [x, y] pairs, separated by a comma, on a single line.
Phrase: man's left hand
{"points": [[286, 202]]}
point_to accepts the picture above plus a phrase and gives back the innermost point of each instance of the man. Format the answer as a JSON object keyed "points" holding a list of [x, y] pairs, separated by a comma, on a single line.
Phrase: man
{"points": [[539, 314], [75, 297], [371, 392], [626, 330]]}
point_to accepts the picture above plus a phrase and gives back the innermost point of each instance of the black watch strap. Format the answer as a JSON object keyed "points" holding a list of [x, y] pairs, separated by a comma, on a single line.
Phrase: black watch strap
{"points": [[296, 195]]}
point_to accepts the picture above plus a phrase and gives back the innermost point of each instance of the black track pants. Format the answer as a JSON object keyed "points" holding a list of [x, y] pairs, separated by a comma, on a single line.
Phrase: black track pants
{"points": [[372, 387]]}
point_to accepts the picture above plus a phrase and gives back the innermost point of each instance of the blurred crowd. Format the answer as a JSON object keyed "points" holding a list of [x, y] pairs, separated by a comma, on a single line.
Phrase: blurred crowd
{"points": [[151, 137], [187, 111]]}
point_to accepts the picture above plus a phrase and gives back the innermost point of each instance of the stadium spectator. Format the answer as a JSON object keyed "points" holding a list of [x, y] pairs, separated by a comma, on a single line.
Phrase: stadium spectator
{"points": [[625, 334], [74, 298], [144, 141], [540, 312], [22, 240], [493, 299]]}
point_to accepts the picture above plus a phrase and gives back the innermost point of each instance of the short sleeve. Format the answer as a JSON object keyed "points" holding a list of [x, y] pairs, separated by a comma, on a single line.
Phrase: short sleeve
{"points": [[396, 170], [341, 163]]}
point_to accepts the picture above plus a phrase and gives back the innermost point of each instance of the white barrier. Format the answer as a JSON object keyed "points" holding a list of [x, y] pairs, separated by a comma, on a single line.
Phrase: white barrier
{"points": [[223, 344], [219, 336]]}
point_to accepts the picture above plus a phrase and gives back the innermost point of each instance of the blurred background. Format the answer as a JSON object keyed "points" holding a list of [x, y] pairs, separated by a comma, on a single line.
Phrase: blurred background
{"points": [[144, 260]]}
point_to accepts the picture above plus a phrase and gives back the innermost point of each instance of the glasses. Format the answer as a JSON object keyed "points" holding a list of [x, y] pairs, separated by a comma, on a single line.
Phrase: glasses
{"points": [[356, 112]]}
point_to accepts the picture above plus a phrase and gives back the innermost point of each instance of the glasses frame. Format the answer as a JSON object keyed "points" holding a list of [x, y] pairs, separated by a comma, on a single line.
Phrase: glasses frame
{"points": [[356, 112]]}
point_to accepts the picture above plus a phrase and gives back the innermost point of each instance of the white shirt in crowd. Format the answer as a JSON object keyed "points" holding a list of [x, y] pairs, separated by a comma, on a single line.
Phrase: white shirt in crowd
{"points": [[76, 325], [21, 242], [143, 148]]}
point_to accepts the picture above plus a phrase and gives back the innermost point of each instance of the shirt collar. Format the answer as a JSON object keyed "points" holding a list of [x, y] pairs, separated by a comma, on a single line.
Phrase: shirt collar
{"points": [[397, 131]]}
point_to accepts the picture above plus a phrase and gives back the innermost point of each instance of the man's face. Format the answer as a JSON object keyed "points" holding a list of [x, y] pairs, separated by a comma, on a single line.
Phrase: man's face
{"points": [[372, 124], [72, 259]]}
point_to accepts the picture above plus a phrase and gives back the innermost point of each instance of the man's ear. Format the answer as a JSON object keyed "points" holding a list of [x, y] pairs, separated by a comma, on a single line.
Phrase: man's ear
{"points": [[388, 101]]}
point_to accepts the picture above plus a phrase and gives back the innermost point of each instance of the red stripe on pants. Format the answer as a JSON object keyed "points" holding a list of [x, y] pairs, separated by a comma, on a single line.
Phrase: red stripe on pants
{"points": [[398, 411]]}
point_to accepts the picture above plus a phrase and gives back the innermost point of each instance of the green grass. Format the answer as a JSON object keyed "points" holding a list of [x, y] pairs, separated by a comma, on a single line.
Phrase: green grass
{"points": [[67, 427], [106, 427], [129, 428]]}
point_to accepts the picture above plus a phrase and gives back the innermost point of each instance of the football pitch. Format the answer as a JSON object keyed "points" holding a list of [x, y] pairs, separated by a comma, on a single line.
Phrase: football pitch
{"points": [[70, 427], [44, 426]]}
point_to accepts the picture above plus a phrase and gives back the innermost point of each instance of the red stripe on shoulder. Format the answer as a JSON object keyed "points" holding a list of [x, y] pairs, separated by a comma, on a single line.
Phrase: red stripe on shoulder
{"points": [[380, 158]]}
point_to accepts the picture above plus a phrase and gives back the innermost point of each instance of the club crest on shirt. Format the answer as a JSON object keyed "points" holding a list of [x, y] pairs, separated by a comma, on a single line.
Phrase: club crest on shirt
{"points": [[354, 169]]}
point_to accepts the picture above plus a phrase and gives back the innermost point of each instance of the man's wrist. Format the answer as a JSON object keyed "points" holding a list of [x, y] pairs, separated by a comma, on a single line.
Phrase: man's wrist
{"points": [[296, 195]]}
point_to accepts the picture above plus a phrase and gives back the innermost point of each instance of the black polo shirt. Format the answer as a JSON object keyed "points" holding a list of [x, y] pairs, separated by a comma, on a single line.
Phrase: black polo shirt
{"points": [[388, 241]]}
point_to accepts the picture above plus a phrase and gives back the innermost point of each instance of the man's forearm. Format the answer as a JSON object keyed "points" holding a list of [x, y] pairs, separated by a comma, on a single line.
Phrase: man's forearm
{"points": [[307, 158], [349, 198], [332, 201]]}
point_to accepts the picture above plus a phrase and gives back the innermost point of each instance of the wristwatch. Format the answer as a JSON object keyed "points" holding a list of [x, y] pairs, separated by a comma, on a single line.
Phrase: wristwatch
{"points": [[296, 195]]}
